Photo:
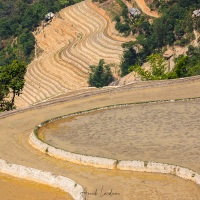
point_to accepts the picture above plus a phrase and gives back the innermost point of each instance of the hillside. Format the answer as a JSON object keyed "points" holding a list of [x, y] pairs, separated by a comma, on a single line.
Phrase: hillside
{"points": [[76, 38], [150, 128], [80, 35]]}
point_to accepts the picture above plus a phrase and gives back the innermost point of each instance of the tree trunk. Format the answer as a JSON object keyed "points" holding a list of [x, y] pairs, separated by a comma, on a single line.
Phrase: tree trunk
{"points": [[13, 100]]}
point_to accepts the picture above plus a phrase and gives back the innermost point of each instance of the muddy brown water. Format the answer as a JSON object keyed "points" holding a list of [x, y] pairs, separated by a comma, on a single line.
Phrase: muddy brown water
{"points": [[18, 189]]}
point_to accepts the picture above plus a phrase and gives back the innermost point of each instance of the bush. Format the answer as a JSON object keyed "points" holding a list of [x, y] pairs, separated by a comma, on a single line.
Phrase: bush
{"points": [[11, 83], [100, 75]]}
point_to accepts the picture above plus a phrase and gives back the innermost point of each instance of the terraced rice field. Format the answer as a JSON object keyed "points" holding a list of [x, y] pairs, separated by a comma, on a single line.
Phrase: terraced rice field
{"points": [[16, 127], [163, 132], [75, 39], [62, 68]]}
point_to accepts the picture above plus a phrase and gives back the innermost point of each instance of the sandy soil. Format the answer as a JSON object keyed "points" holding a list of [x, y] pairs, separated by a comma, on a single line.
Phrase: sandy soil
{"points": [[18, 189], [16, 127]]}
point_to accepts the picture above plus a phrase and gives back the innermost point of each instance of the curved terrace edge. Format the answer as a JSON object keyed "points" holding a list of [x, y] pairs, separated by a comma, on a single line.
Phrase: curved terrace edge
{"points": [[106, 163]]}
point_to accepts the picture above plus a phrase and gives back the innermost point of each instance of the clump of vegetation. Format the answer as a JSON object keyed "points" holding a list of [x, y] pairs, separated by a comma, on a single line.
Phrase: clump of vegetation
{"points": [[174, 27], [126, 24], [18, 18], [100, 75], [157, 71], [188, 65], [129, 57], [11, 83], [185, 66], [122, 27]]}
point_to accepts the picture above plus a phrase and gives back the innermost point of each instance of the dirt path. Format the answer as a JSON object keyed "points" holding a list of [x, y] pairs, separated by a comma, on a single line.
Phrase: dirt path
{"points": [[146, 9], [15, 130]]}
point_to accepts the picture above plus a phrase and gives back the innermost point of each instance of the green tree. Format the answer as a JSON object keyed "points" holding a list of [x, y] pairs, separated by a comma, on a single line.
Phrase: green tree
{"points": [[12, 81], [64, 2], [157, 66], [129, 57], [157, 71], [26, 41], [3, 94], [100, 75], [188, 65], [195, 70]]}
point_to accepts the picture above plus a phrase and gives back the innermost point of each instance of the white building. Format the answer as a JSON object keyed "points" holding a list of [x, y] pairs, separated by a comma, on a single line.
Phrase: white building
{"points": [[49, 16], [134, 11]]}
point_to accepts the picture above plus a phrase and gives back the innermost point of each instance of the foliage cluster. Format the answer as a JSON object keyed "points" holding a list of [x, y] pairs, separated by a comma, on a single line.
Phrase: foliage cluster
{"points": [[126, 24], [185, 66], [100, 75], [122, 27], [157, 71], [130, 57], [11, 83], [18, 18], [188, 65], [174, 27]]}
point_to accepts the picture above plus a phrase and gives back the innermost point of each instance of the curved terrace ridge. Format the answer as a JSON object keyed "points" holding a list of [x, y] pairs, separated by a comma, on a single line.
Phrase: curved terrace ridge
{"points": [[65, 184], [98, 162]]}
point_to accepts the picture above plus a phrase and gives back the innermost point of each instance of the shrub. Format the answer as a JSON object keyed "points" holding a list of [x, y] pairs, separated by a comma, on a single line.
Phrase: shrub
{"points": [[100, 75]]}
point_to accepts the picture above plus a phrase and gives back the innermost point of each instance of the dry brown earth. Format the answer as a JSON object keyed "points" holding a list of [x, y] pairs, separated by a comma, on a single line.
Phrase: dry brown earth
{"points": [[77, 37], [16, 126]]}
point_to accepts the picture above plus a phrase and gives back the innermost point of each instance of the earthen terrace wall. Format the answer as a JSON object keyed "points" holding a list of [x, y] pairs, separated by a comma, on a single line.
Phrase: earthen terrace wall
{"points": [[135, 165], [47, 178]]}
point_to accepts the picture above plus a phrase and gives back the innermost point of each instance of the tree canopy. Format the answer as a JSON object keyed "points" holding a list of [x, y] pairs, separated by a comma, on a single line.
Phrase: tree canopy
{"points": [[100, 75], [11, 83], [175, 26], [157, 71], [18, 19], [185, 65]]}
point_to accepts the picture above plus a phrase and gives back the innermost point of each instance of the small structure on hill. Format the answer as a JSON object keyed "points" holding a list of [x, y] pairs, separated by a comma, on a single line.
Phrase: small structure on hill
{"points": [[134, 12], [49, 16], [196, 13]]}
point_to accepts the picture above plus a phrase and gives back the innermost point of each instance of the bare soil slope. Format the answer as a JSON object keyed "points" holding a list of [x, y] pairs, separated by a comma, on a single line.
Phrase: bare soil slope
{"points": [[77, 37]]}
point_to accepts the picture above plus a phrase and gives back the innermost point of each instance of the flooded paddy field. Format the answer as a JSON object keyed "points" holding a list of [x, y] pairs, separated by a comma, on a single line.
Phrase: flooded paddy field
{"points": [[17, 189], [161, 132]]}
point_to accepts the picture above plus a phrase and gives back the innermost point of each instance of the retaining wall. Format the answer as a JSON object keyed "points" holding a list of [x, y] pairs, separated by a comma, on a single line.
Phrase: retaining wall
{"points": [[71, 157], [47, 178], [145, 166], [140, 166]]}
